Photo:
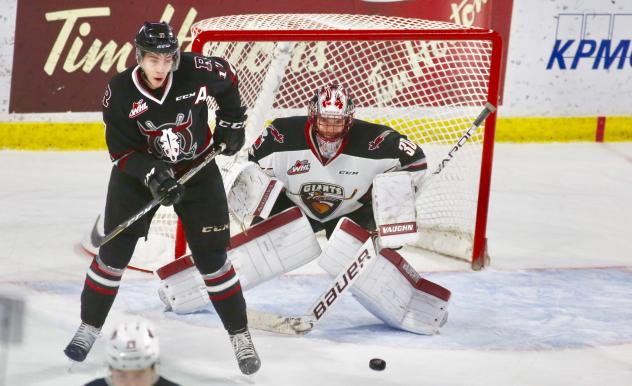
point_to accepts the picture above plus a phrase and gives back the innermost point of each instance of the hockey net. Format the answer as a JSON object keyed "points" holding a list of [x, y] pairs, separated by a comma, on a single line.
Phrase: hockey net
{"points": [[426, 79]]}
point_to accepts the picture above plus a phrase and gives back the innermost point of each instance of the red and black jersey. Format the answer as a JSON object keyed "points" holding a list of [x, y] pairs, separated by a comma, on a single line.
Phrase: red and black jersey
{"points": [[147, 128], [330, 188]]}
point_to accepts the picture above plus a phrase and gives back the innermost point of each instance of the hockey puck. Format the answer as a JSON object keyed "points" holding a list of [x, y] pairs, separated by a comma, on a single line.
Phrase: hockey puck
{"points": [[377, 364]]}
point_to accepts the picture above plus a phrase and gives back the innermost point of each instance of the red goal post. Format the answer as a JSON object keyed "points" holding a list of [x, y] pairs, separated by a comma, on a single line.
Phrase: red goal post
{"points": [[426, 79]]}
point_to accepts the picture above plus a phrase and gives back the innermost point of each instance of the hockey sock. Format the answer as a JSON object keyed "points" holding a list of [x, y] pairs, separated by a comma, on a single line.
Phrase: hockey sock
{"points": [[103, 278], [99, 291], [225, 292]]}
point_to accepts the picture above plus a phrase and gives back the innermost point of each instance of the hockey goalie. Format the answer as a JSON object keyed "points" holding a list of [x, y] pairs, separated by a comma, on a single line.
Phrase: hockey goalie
{"points": [[349, 178]]}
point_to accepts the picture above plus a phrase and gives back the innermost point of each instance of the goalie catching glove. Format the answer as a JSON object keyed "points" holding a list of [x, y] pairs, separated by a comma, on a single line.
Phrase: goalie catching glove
{"points": [[231, 132], [251, 193], [162, 184]]}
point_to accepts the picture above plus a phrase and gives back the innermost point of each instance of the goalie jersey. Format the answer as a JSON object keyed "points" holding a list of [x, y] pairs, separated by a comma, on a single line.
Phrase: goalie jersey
{"points": [[326, 189]]}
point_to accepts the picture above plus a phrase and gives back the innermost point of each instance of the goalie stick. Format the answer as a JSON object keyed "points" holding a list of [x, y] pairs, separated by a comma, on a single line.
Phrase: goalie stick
{"points": [[98, 240], [300, 325]]}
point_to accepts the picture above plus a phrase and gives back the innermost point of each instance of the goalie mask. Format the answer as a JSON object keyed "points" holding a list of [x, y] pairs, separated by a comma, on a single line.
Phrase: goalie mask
{"points": [[331, 112], [133, 345], [157, 38]]}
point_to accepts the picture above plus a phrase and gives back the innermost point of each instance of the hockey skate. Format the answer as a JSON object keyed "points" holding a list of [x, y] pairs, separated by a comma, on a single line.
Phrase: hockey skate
{"points": [[80, 345], [245, 352]]}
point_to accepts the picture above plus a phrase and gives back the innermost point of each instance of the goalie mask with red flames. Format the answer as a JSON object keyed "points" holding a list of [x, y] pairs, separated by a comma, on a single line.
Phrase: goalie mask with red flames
{"points": [[331, 112]]}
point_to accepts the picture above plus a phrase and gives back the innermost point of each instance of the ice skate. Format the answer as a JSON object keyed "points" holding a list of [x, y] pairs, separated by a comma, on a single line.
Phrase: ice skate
{"points": [[80, 345], [245, 352]]}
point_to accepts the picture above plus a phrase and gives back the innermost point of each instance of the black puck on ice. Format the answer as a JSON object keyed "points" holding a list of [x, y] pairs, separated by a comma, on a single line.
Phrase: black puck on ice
{"points": [[377, 364]]}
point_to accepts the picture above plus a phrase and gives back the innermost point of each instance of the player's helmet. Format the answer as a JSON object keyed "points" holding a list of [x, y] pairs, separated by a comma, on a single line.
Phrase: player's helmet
{"points": [[331, 112], [133, 345], [157, 38]]}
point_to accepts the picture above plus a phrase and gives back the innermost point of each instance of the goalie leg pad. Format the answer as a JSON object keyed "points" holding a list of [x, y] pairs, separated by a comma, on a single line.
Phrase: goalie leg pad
{"points": [[272, 247], [390, 288], [394, 292], [394, 208], [182, 288]]}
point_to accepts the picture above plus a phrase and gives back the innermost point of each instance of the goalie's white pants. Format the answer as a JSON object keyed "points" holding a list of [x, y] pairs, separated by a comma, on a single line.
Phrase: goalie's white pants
{"points": [[389, 288]]}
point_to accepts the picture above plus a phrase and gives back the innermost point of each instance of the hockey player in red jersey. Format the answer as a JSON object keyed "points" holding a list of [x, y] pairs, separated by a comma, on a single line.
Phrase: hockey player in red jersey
{"points": [[156, 117]]}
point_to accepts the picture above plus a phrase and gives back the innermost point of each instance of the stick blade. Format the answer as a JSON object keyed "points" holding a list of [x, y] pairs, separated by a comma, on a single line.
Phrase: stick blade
{"points": [[96, 238], [286, 325]]}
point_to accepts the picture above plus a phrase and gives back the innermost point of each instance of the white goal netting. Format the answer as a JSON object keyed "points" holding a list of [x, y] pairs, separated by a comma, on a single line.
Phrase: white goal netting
{"points": [[428, 80]]}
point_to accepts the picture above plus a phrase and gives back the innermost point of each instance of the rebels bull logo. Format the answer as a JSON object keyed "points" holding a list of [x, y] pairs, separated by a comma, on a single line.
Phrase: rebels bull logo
{"points": [[173, 141], [322, 199]]}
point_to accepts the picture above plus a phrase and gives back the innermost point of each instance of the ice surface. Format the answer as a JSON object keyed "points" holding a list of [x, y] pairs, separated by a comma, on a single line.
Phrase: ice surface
{"points": [[554, 308]]}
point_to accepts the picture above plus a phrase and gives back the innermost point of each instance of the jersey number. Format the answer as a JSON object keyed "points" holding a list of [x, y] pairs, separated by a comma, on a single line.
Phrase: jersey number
{"points": [[407, 147], [206, 63]]}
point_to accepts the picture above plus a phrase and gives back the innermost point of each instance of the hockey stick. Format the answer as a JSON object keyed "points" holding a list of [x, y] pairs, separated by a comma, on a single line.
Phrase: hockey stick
{"points": [[300, 325], [98, 240], [482, 116]]}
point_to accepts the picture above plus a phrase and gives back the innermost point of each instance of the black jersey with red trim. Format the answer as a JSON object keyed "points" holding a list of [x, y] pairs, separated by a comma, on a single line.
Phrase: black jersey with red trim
{"points": [[147, 128], [329, 188]]}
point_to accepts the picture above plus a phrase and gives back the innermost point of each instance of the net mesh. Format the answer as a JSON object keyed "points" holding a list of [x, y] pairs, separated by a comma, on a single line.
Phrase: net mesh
{"points": [[429, 89]]}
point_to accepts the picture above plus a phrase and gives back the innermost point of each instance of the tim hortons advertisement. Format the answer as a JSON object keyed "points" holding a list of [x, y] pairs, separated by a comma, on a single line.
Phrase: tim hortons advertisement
{"points": [[67, 50]]}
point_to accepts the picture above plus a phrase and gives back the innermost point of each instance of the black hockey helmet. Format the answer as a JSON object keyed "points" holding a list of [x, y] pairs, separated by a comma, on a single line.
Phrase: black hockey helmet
{"points": [[157, 38]]}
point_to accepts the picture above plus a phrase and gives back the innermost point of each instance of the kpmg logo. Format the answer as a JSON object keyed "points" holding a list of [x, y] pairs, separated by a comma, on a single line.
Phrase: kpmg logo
{"points": [[592, 41]]}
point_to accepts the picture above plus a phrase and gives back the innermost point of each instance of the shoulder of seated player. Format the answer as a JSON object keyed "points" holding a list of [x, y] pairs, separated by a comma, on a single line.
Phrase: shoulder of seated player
{"points": [[372, 140], [187, 58], [286, 134], [290, 124], [290, 127], [122, 79]]}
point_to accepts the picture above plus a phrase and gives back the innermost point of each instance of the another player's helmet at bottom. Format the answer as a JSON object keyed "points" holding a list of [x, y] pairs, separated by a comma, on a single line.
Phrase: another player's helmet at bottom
{"points": [[331, 112], [159, 39], [133, 345]]}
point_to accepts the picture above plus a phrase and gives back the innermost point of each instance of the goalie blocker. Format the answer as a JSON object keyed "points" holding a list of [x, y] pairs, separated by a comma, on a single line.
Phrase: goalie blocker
{"points": [[277, 245], [394, 209], [389, 288]]}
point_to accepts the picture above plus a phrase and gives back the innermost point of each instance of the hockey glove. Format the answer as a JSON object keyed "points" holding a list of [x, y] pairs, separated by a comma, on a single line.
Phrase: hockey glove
{"points": [[162, 183], [230, 131]]}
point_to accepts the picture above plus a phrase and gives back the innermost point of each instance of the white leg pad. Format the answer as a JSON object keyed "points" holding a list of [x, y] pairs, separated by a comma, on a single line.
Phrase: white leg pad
{"points": [[342, 246], [182, 288], [394, 209], [277, 245], [390, 289]]}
